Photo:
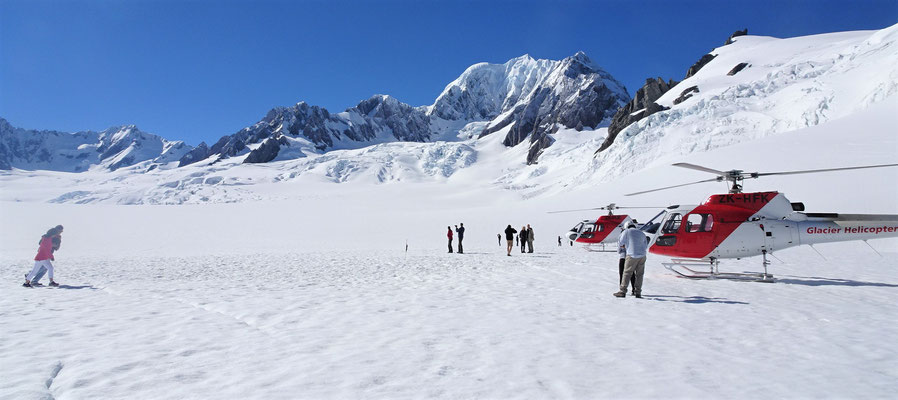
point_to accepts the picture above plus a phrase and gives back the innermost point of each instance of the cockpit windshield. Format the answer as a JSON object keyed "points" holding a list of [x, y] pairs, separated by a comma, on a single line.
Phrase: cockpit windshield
{"points": [[672, 223], [653, 224]]}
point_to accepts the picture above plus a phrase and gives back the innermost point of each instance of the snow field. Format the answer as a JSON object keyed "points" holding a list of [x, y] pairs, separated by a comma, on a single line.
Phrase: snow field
{"points": [[426, 324]]}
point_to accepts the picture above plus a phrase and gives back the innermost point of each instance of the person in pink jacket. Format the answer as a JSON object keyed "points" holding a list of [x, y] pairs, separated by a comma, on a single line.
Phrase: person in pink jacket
{"points": [[449, 235], [49, 242]]}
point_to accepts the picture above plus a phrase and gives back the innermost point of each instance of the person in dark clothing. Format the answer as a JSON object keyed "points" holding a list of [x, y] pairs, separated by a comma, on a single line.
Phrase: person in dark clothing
{"points": [[524, 238], [449, 235], [509, 237], [499, 237], [622, 252], [461, 236], [530, 238]]}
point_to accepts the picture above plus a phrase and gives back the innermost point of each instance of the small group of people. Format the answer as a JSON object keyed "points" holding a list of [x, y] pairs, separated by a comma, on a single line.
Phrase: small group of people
{"points": [[513, 237], [49, 243], [632, 248], [460, 229]]}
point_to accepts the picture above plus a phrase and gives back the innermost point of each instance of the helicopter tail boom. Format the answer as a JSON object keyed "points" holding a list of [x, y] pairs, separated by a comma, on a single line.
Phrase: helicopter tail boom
{"points": [[824, 228]]}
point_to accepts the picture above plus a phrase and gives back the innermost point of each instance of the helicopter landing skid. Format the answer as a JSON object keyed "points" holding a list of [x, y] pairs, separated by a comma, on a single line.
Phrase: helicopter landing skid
{"points": [[600, 249], [681, 266]]}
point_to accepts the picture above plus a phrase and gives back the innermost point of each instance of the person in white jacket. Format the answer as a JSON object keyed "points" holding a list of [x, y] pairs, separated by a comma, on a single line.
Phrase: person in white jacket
{"points": [[636, 246]]}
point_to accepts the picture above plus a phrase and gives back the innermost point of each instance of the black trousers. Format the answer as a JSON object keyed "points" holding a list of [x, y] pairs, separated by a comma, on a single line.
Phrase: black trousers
{"points": [[621, 272], [460, 248], [450, 245]]}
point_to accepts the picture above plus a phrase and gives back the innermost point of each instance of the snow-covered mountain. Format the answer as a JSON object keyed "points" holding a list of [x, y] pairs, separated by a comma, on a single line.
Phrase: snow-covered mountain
{"points": [[111, 149], [523, 98], [760, 86], [783, 87]]}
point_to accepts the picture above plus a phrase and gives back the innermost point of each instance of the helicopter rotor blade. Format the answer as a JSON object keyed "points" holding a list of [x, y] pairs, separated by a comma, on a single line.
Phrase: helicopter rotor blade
{"points": [[600, 208], [674, 186], [809, 171], [700, 168], [582, 209]]}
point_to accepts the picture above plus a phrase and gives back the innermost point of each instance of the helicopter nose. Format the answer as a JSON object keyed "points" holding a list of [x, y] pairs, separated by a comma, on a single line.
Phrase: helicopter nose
{"points": [[572, 236]]}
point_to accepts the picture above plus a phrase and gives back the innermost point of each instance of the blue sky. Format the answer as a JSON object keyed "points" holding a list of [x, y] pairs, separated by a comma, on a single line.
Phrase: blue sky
{"points": [[197, 70]]}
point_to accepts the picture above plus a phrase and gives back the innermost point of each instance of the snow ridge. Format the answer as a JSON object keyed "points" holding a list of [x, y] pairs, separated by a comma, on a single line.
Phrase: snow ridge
{"points": [[111, 149]]}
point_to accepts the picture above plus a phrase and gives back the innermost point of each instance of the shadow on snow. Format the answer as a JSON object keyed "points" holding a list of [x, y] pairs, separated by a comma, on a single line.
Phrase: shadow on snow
{"points": [[820, 281], [694, 299]]}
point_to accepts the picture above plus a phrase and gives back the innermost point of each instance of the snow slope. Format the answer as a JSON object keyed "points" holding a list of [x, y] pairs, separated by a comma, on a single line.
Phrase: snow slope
{"points": [[789, 84]]}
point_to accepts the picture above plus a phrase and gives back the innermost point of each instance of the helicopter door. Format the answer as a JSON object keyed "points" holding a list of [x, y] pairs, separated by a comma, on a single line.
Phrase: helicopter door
{"points": [[778, 234]]}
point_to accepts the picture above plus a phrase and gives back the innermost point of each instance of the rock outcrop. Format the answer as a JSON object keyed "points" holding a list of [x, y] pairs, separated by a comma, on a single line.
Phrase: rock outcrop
{"points": [[699, 64], [642, 105], [685, 94], [737, 68], [736, 34]]}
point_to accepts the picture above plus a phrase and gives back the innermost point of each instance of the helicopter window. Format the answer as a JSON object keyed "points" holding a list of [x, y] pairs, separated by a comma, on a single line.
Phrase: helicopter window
{"points": [[672, 224], [699, 222], [587, 231]]}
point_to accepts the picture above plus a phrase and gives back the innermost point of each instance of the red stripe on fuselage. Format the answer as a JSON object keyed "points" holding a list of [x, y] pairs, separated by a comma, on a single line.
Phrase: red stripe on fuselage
{"points": [[728, 210], [609, 223]]}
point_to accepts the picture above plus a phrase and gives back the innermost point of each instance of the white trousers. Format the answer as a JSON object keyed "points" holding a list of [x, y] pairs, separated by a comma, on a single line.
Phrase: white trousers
{"points": [[37, 267]]}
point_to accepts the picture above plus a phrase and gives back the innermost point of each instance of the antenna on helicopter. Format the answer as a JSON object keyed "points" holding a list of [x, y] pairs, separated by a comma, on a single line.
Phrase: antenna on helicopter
{"points": [[611, 207], [736, 176]]}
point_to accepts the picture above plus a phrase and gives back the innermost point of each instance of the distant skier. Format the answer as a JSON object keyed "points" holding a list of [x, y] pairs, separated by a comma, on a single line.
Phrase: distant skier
{"points": [[499, 237], [461, 236], [559, 241], [49, 242], [509, 237], [529, 239], [449, 235], [635, 244], [524, 238]]}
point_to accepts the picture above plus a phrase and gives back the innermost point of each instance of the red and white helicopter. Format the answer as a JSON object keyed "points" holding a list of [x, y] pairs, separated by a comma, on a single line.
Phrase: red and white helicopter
{"points": [[603, 231], [738, 224]]}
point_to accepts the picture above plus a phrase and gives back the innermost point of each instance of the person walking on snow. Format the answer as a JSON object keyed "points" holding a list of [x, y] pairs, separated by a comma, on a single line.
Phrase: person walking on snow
{"points": [[524, 238], [622, 252], [449, 235], [461, 236], [57, 242], [635, 244], [499, 237], [529, 238], [509, 237], [45, 255]]}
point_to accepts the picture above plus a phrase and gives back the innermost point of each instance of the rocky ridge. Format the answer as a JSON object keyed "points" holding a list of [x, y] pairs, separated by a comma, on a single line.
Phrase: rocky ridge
{"points": [[528, 99]]}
